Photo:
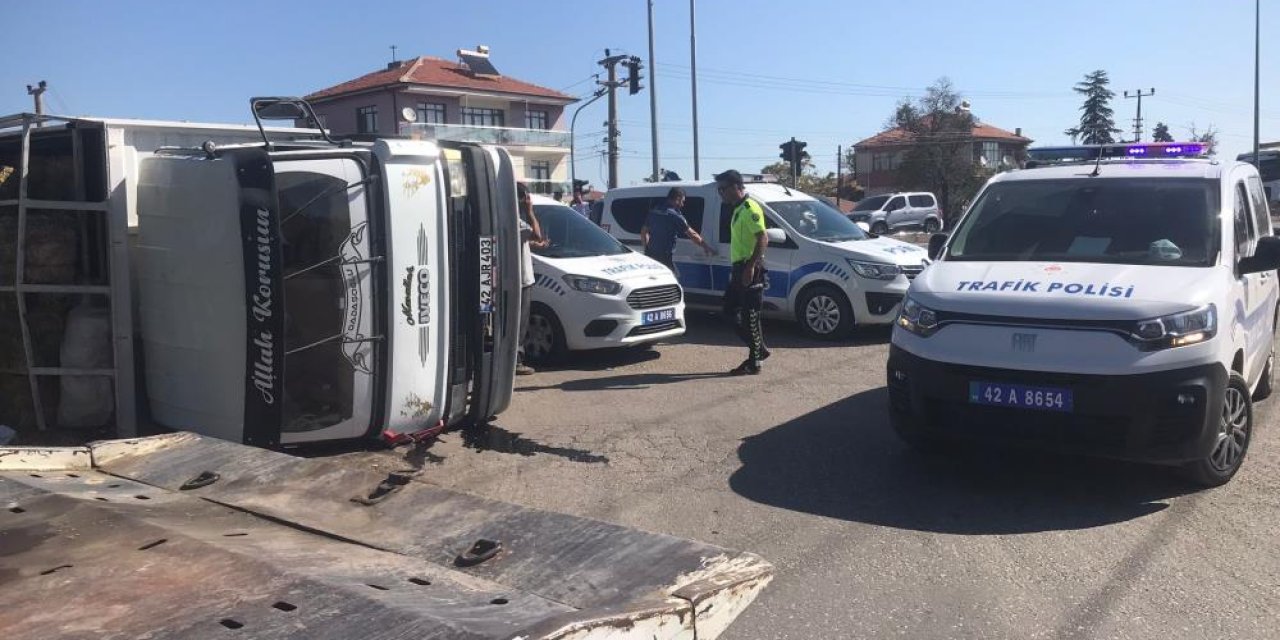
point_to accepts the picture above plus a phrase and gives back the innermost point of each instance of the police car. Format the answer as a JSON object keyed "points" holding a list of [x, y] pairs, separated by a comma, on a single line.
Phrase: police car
{"points": [[591, 291], [1119, 302], [825, 271]]}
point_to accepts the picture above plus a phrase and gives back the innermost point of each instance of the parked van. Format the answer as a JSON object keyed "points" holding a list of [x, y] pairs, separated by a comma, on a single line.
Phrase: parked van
{"points": [[897, 211], [824, 271], [593, 292], [1123, 305]]}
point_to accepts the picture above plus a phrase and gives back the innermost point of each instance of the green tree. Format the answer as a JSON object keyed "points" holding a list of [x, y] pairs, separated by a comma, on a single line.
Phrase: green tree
{"points": [[1097, 120], [940, 126], [809, 180], [1161, 133]]}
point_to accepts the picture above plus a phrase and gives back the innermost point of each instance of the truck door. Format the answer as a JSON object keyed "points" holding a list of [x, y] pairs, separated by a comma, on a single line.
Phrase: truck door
{"points": [[332, 319]]}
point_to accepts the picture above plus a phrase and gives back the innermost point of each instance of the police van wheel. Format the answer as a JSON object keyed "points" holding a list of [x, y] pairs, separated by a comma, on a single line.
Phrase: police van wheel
{"points": [[880, 228], [1235, 430], [544, 343], [824, 313]]}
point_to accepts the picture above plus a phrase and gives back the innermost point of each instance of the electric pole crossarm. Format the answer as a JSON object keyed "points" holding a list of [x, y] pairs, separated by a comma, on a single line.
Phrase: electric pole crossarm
{"points": [[1137, 121]]}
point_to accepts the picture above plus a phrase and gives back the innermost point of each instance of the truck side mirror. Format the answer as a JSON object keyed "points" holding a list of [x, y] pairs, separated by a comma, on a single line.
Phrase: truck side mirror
{"points": [[1265, 258], [776, 236], [936, 242]]}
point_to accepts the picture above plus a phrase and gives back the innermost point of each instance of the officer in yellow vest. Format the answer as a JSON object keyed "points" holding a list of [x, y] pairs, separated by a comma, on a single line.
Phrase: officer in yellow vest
{"points": [[744, 297]]}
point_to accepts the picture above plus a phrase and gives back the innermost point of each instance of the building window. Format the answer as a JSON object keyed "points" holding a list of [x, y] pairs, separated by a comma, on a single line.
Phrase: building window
{"points": [[540, 176], [431, 113], [480, 117], [886, 161], [991, 154], [367, 120], [536, 120]]}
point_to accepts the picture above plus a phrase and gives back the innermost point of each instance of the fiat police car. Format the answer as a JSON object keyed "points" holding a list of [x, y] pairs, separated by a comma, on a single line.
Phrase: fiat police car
{"points": [[1120, 301], [591, 291]]}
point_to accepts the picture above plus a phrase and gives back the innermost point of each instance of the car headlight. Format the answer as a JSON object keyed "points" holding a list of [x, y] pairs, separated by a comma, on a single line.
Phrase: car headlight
{"points": [[1177, 330], [875, 270], [588, 284], [917, 318]]}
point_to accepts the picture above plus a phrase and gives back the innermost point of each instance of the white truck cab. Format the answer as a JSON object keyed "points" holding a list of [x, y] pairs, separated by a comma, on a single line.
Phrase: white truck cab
{"points": [[593, 292], [1121, 303], [824, 270]]}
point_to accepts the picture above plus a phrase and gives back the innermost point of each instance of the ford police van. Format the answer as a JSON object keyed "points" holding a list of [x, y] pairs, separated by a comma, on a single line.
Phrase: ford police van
{"points": [[592, 292], [824, 270], [1121, 303]]}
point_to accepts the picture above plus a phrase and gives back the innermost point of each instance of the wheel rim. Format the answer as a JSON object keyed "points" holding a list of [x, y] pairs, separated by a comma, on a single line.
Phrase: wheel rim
{"points": [[537, 343], [1233, 432], [822, 314]]}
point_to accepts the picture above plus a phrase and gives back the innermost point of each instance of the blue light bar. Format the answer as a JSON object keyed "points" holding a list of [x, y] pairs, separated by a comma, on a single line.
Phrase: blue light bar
{"points": [[1166, 150]]}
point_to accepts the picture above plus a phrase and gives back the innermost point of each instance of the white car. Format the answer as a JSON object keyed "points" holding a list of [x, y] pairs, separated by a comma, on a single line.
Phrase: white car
{"points": [[824, 271], [1121, 304], [592, 292]]}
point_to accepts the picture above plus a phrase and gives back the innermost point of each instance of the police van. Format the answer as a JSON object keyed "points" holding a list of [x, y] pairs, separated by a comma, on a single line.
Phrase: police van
{"points": [[1121, 302], [824, 270], [593, 292]]}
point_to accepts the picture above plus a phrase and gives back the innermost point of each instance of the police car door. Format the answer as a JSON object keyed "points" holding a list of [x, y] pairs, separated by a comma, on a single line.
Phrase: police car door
{"points": [[1254, 284], [693, 265]]}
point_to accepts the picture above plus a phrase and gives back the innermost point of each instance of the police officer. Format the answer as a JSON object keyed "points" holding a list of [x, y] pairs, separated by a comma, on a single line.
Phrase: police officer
{"points": [[744, 297], [664, 225]]}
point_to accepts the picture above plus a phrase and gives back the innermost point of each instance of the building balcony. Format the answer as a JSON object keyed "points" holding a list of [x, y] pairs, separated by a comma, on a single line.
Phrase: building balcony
{"points": [[501, 136]]}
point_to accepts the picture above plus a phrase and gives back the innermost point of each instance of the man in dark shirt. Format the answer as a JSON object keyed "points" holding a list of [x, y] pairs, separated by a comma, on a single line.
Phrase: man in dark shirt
{"points": [[664, 226]]}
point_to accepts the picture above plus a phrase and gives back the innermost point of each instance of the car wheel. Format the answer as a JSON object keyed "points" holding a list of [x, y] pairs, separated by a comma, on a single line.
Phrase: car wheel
{"points": [[1235, 430], [1267, 384], [931, 225], [824, 312], [544, 342], [880, 228]]}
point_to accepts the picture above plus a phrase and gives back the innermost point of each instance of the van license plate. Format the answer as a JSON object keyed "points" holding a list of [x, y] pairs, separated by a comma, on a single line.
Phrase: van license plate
{"points": [[661, 315], [1021, 396]]}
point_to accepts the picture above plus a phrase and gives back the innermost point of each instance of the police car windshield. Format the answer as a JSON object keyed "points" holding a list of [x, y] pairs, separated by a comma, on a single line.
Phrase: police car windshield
{"points": [[572, 235], [817, 220], [1142, 221]]}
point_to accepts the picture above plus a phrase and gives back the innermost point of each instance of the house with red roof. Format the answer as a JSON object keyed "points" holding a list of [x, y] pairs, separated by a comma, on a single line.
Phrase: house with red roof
{"points": [[879, 156], [467, 100]]}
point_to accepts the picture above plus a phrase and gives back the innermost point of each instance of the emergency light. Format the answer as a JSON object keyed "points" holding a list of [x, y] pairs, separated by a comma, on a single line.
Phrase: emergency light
{"points": [[1091, 153], [1166, 150]]}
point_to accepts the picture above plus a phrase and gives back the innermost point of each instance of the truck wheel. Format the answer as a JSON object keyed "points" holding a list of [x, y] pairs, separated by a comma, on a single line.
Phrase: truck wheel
{"points": [[824, 312], [1235, 429], [544, 343], [880, 228], [931, 225]]}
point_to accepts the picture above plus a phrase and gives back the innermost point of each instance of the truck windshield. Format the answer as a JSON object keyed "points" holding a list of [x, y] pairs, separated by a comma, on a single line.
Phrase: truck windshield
{"points": [[817, 220], [572, 235], [871, 204], [1143, 221]]}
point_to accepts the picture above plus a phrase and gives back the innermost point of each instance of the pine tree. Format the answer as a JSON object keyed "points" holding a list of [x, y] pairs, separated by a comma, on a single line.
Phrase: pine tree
{"points": [[1097, 120], [1161, 133]]}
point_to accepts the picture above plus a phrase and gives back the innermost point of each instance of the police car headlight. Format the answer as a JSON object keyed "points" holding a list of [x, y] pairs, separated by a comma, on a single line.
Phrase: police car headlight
{"points": [[1177, 330], [875, 270], [917, 318], [587, 284]]}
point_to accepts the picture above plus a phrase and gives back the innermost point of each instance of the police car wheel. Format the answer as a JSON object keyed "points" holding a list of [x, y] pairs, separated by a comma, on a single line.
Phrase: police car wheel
{"points": [[1235, 430], [544, 342], [879, 228], [824, 312]]}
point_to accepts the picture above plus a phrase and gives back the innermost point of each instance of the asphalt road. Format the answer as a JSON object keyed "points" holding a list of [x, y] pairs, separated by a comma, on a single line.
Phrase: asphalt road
{"points": [[872, 540]]}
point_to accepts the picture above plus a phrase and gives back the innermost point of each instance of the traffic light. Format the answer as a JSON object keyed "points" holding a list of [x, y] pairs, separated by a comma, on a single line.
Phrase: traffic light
{"points": [[793, 153], [787, 151], [633, 68]]}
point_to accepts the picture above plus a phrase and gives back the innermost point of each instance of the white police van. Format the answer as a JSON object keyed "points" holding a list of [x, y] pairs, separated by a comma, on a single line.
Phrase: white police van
{"points": [[824, 270], [1121, 303], [592, 292]]}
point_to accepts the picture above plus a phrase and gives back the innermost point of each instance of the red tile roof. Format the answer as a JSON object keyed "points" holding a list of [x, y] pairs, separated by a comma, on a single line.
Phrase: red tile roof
{"points": [[898, 136], [437, 72]]}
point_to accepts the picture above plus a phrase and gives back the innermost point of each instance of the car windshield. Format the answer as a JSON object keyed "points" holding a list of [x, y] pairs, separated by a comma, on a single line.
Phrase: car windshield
{"points": [[1142, 221], [572, 235], [817, 220], [871, 204]]}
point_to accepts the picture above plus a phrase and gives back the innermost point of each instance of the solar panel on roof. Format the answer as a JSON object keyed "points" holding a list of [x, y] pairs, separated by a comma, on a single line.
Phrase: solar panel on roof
{"points": [[478, 63]]}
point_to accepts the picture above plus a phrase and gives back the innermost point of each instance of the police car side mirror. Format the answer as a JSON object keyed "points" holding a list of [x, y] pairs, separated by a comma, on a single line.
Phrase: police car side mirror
{"points": [[1265, 258], [936, 242], [776, 236]]}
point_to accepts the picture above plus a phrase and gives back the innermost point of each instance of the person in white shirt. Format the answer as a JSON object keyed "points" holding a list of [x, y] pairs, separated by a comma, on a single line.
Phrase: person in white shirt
{"points": [[530, 235]]}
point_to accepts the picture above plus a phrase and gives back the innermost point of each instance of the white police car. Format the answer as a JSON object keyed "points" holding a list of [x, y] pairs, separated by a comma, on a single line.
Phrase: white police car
{"points": [[1122, 303], [592, 292]]}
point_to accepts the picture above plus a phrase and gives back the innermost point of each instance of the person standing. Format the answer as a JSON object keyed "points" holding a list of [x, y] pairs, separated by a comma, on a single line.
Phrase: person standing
{"points": [[664, 225], [530, 235], [744, 297], [579, 205]]}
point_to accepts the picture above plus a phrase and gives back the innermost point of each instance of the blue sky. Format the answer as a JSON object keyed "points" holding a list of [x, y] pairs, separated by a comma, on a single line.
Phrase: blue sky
{"points": [[827, 72]]}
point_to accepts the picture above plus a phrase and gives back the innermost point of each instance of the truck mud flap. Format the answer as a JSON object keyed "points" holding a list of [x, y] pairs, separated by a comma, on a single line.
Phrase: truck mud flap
{"points": [[105, 542]]}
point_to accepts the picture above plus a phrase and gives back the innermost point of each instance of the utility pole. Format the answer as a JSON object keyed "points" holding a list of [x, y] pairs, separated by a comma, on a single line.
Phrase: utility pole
{"points": [[1137, 122], [37, 93], [1257, 63], [839, 172], [610, 85], [653, 98], [693, 71]]}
